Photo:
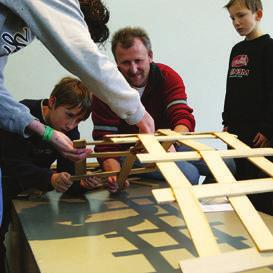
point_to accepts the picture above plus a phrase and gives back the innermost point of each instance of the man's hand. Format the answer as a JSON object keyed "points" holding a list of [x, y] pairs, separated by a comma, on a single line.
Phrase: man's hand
{"points": [[146, 125], [112, 164], [61, 181], [172, 149], [180, 128], [261, 141]]}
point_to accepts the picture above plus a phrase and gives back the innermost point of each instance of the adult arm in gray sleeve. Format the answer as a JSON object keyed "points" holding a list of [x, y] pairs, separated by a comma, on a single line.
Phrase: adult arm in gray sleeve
{"points": [[60, 26], [14, 116]]}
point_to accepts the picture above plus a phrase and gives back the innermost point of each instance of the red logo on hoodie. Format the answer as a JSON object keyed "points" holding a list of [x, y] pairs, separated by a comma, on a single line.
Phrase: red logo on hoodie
{"points": [[240, 60]]}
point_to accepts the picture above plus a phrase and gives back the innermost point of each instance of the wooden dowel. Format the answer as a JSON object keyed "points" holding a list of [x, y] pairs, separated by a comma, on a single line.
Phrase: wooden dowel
{"points": [[108, 154], [106, 174]]}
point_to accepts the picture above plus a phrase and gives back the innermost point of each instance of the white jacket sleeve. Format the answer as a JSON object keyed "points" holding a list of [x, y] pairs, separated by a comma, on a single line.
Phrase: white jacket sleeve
{"points": [[60, 26]]}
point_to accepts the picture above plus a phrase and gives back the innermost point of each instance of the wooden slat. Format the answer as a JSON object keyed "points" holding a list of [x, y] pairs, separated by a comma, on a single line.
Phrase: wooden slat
{"points": [[241, 204], [168, 144], [188, 142], [228, 262], [92, 164], [219, 190], [198, 226], [243, 207], [233, 189], [158, 132], [195, 145], [125, 170], [132, 138], [261, 162], [178, 156], [80, 166], [163, 196]]}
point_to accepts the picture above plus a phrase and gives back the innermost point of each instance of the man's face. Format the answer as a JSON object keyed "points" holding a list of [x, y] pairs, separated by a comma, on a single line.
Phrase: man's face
{"points": [[134, 63], [64, 118], [244, 20]]}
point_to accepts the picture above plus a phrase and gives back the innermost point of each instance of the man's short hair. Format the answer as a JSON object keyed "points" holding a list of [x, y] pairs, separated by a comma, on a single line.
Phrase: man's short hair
{"points": [[126, 36], [73, 93], [253, 5]]}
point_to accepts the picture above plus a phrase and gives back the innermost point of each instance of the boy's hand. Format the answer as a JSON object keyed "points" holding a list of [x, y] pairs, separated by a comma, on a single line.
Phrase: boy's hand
{"points": [[61, 181], [91, 183], [261, 141]]}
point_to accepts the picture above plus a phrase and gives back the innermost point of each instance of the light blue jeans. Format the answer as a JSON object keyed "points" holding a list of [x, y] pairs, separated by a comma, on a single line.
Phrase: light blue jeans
{"points": [[191, 169]]}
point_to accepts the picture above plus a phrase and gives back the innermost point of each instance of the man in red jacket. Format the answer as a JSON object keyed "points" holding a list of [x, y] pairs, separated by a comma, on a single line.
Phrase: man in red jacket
{"points": [[162, 92]]}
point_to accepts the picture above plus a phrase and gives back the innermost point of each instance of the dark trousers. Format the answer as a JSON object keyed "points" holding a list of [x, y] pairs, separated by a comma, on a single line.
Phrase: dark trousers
{"points": [[246, 170]]}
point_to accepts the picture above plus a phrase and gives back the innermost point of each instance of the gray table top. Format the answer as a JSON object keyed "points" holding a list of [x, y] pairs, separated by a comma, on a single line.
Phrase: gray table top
{"points": [[123, 233]]}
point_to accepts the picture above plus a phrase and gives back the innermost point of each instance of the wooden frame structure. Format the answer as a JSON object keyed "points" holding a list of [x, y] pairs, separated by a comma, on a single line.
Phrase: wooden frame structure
{"points": [[151, 150]]}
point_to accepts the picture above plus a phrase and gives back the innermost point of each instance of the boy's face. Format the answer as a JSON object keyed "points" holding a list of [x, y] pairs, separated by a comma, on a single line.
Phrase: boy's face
{"points": [[134, 63], [64, 118], [244, 20]]}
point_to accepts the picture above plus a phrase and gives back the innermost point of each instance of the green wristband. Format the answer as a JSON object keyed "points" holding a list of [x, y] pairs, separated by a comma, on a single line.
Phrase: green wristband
{"points": [[48, 133]]}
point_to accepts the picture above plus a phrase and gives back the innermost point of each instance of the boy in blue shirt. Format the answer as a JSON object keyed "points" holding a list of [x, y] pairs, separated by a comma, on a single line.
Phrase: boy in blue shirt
{"points": [[248, 109]]}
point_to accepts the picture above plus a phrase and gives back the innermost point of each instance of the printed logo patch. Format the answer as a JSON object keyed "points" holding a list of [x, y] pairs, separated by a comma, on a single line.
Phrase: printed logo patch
{"points": [[236, 64], [15, 42], [239, 61]]}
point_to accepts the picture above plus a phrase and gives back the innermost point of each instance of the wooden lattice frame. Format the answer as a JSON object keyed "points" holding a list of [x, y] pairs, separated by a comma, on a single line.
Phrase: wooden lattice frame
{"points": [[210, 259]]}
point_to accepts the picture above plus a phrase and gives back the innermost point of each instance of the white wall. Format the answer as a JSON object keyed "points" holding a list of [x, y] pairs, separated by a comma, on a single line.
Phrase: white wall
{"points": [[194, 37]]}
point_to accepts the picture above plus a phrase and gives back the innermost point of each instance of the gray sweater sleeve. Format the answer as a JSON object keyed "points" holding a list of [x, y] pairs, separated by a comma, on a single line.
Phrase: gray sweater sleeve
{"points": [[14, 116], [60, 26]]}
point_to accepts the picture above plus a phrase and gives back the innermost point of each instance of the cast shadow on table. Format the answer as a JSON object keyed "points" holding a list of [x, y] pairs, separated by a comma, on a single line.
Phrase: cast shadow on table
{"points": [[88, 216]]}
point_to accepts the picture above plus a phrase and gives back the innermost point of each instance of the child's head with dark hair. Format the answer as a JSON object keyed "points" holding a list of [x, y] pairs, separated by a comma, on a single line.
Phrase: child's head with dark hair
{"points": [[96, 16], [68, 105], [72, 93]]}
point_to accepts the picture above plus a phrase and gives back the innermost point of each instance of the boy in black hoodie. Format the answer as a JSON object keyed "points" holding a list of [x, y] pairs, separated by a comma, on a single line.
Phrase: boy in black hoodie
{"points": [[248, 110]]}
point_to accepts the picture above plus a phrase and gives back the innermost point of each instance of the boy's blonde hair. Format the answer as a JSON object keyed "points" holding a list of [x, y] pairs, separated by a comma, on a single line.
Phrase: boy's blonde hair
{"points": [[253, 5]]}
